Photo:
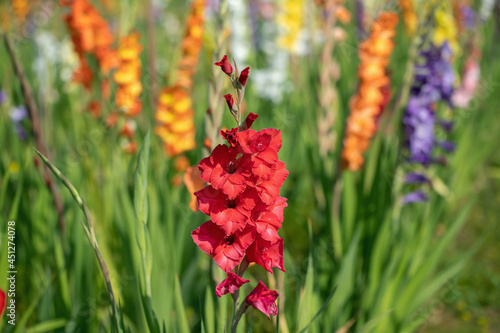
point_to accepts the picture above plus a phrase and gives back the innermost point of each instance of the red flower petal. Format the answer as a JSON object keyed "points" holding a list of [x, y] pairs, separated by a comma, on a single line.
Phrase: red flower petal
{"points": [[210, 199], [227, 251], [267, 225], [208, 236], [3, 298], [263, 299], [266, 254], [227, 170], [232, 283]]}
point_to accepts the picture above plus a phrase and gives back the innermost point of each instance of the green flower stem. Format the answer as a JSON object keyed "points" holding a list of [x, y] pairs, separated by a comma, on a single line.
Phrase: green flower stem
{"points": [[89, 231]]}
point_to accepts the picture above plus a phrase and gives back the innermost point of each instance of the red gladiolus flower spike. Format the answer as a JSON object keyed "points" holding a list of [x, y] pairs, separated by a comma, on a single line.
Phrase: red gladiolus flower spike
{"points": [[263, 299], [244, 76], [232, 283], [225, 65], [244, 203], [227, 251]]}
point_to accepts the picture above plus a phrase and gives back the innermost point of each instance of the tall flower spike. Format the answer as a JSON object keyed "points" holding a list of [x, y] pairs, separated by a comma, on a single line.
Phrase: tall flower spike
{"points": [[433, 84], [90, 34], [368, 103], [244, 204], [175, 113]]}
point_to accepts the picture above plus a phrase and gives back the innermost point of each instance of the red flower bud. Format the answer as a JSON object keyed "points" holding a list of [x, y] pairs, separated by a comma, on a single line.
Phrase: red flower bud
{"points": [[229, 100], [225, 65], [248, 121], [244, 76]]}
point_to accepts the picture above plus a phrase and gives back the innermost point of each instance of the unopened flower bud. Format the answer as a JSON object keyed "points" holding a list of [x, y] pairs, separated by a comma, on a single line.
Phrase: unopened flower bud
{"points": [[225, 65], [248, 121], [244, 76], [230, 101]]}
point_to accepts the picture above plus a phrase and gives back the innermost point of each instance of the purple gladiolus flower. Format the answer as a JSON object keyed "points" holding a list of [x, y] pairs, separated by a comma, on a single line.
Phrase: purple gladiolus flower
{"points": [[434, 78], [412, 197], [17, 115], [416, 178], [469, 16], [433, 83], [446, 145], [446, 125], [3, 97]]}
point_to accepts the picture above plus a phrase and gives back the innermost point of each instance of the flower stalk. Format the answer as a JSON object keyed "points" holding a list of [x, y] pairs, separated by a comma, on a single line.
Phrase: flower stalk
{"points": [[89, 231]]}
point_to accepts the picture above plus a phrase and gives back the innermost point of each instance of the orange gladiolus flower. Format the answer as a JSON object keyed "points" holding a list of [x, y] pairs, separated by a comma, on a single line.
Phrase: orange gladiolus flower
{"points": [[372, 94], [192, 180], [90, 34], [175, 111], [175, 117], [191, 44], [128, 75], [21, 8], [409, 16]]}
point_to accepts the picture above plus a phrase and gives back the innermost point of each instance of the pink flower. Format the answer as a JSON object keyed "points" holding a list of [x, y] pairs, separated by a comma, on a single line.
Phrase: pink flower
{"points": [[263, 299], [232, 283], [227, 251], [225, 65], [227, 169], [244, 76]]}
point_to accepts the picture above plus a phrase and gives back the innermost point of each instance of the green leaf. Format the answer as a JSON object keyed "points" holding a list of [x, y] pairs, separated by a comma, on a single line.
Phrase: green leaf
{"points": [[141, 182], [209, 311], [183, 325], [48, 326]]}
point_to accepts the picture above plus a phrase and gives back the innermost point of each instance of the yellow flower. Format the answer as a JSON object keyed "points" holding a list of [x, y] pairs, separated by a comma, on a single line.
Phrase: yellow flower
{"points": [[13, 167], [446, 29], [290, 20]]}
